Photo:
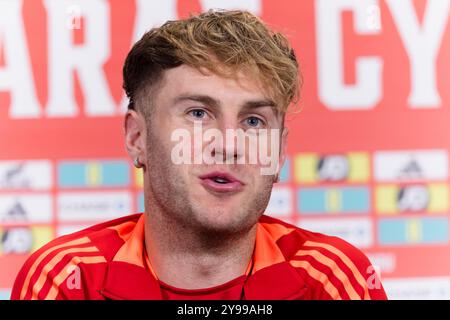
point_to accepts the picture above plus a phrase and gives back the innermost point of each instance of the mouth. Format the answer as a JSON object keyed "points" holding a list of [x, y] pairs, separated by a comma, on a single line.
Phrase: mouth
{"points": [[221, 182]]}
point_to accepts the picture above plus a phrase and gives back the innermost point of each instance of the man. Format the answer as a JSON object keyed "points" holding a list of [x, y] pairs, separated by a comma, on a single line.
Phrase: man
{"points": [[203, 235]]}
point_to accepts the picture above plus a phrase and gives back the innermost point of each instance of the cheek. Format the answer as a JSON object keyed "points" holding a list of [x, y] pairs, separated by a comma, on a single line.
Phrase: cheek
{"points": [[159, 138], [256, 180], [264, 180], [158, 155]]}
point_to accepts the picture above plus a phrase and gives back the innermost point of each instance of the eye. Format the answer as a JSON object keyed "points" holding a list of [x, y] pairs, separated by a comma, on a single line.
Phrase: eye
{"points": [[197, 113], [254, 122]]}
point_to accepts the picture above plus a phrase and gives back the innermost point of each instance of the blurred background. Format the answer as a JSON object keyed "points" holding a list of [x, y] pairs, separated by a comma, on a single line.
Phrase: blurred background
{"points": [[368, 151]]}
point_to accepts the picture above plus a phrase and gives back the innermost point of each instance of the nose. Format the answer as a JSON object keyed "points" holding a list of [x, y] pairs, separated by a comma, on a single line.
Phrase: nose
{"points": [[228, 149]]}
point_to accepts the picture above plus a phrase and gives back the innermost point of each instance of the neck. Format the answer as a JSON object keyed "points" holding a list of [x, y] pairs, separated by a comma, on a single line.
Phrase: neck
{"points": [[189, 259]]}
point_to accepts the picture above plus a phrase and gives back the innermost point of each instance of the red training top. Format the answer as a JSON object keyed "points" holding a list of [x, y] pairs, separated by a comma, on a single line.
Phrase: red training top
{"points": [[108, 261]]}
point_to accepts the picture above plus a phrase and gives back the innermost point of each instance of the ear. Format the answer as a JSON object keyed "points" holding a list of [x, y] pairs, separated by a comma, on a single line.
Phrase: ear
{"points": [[283, 152], [134, 130]]}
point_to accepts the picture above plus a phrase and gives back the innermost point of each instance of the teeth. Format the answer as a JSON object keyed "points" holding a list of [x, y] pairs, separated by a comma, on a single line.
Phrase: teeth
{"points": [[220, 180]]}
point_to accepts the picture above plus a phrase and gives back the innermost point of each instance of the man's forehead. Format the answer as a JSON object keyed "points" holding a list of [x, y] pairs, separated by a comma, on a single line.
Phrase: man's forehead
{"points": [[189, 81]]}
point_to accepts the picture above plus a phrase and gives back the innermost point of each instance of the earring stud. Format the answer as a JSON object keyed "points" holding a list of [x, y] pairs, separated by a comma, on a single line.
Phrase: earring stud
{"points": [[136, 163]]}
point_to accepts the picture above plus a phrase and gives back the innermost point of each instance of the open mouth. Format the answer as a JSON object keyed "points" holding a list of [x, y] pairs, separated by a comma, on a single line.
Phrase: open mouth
{"points": [[221, 182]]}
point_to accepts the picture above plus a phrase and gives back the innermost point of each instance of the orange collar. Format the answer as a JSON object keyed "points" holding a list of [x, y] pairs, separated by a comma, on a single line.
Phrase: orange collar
{"points": [[130, 273], [266, 250]]}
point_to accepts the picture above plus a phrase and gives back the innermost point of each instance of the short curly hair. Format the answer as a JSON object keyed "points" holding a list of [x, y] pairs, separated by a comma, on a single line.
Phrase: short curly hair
{"points": [[222, 41]]}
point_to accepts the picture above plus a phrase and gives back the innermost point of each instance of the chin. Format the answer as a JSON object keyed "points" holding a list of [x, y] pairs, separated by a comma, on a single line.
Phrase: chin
{"points": [[221, 221]]}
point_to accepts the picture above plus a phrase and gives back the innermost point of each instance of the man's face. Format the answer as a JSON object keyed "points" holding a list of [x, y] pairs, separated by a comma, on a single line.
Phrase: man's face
{"points": [[216, 197]]}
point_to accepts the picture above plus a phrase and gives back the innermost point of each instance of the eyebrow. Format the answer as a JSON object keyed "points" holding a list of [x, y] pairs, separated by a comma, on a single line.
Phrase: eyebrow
{"points": [[207, 100], [214, 103]]}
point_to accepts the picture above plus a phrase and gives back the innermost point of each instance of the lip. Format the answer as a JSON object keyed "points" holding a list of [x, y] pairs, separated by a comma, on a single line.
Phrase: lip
{"points": [[234, 184]]}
